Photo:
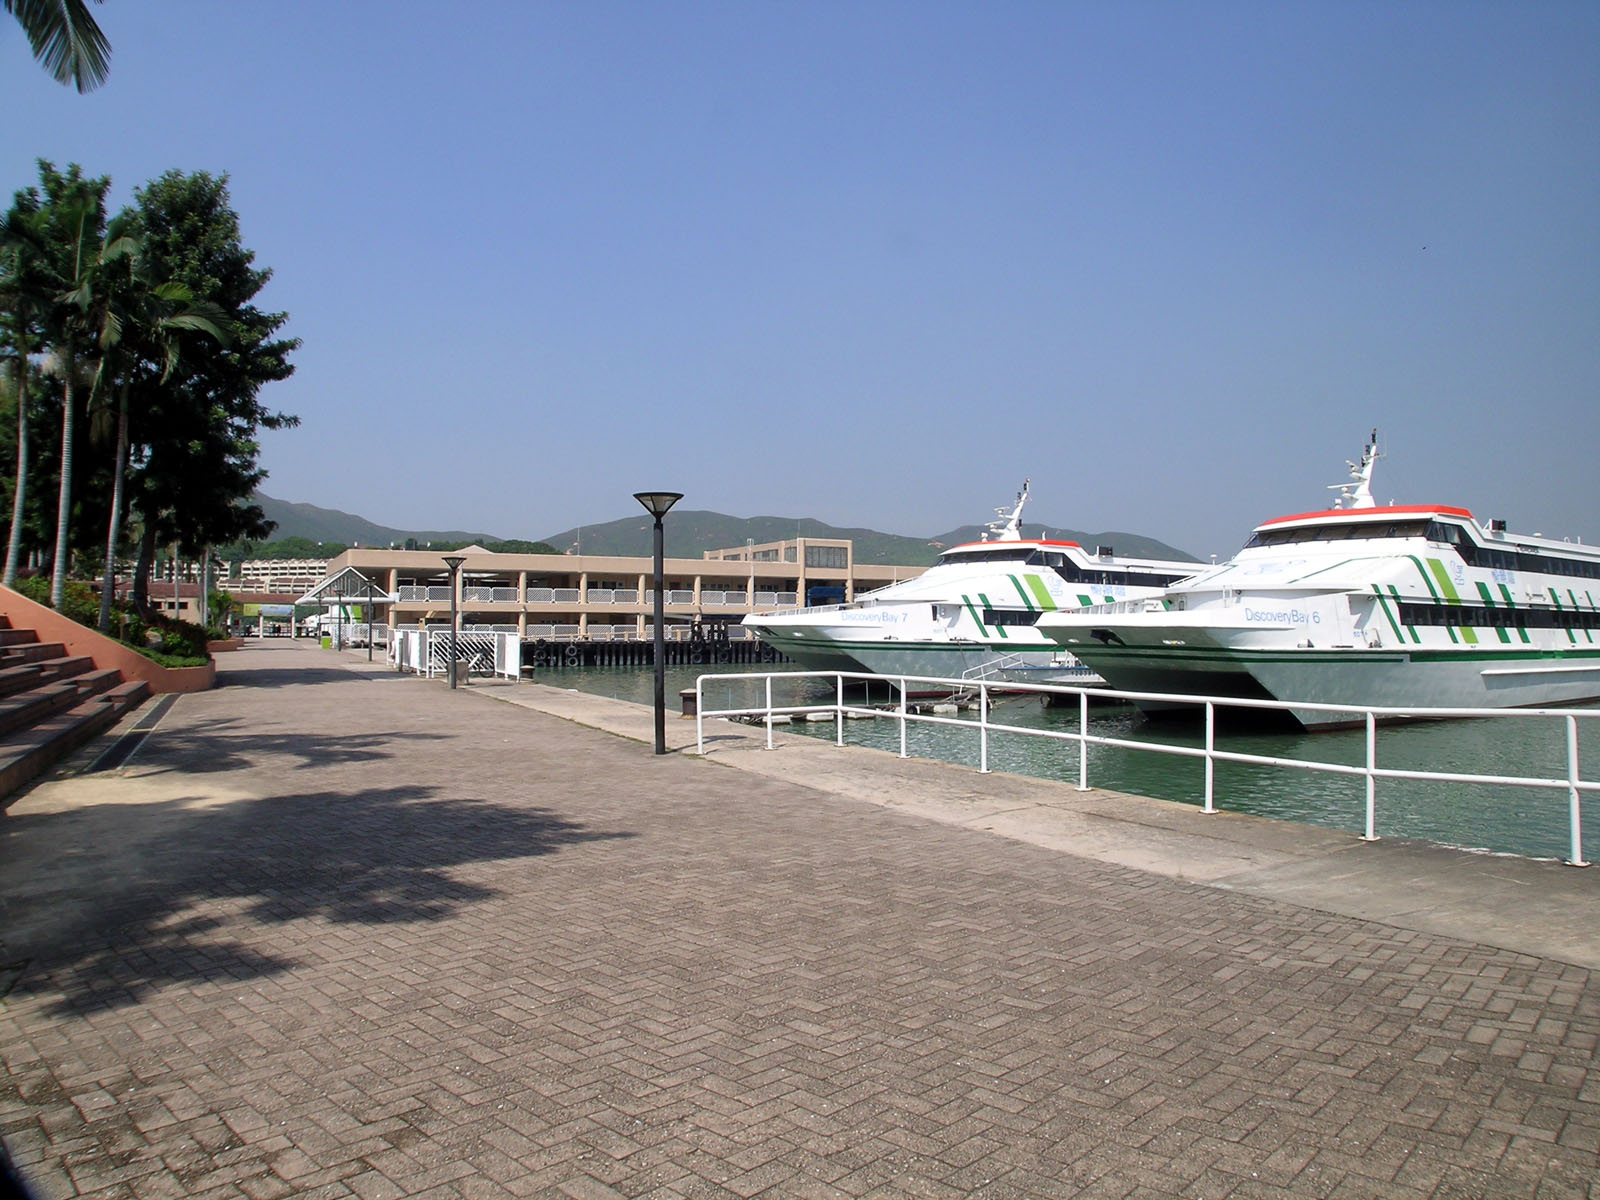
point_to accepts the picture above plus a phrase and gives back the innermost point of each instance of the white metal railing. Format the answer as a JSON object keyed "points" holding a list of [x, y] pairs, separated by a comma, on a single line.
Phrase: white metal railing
{"points": [[565, 595], [416, 592], [671, 597], [359, 633], [1572, 782]]}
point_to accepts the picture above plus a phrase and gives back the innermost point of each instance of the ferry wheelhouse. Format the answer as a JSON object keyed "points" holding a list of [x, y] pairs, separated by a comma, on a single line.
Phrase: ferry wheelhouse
{"points": [[973, 614], [1365, 605]]}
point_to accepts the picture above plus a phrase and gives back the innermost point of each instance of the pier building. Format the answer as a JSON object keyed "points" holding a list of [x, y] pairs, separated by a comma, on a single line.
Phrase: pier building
{"points": [[592, 597]]}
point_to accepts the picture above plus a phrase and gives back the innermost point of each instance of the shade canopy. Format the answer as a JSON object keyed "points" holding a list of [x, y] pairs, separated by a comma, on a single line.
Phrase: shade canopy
{"points": [[657, 503], [348, 584]]}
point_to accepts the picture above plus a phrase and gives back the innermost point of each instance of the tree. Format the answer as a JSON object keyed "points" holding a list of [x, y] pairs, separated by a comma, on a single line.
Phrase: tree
{"points": [[83, 253], [25, 295], [139, 335], [198, 459], [65, 38]]}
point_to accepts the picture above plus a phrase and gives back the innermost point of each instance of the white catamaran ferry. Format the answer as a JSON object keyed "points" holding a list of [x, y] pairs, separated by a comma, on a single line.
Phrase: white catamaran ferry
{"points": [[972, 614], [1366, 605]]}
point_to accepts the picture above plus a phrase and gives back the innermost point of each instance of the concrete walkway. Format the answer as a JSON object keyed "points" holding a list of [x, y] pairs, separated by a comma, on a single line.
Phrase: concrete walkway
{"points": [[332, 931]]}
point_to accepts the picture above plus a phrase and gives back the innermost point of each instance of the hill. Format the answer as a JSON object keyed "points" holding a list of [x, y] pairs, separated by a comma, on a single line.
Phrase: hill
{"points": [[346, 529], [689, 534]]}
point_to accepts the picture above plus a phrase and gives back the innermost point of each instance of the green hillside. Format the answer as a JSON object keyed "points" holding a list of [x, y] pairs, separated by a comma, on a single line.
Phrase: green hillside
{"points": [[689, 533], [330, 525]]}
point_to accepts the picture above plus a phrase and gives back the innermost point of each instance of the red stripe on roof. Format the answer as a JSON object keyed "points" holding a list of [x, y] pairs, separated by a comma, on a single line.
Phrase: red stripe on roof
{"points": [[1019, 542], [1361, 514]]}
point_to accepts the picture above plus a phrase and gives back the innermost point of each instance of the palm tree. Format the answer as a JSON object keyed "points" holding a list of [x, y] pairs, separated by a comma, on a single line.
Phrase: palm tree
{"points": [[25, 295], [65, 38], [140, 326], [78, 317]]}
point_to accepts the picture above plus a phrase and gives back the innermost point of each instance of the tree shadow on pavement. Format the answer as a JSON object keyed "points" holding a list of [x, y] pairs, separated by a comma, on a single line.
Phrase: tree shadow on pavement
{"points": [[125, 898], [230, 744], [278, 677]]}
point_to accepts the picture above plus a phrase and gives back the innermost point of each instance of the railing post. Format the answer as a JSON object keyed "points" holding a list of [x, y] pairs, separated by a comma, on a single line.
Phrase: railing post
{"points": [[1574, 796], [1083, 741], [769, 712], [983, 728], [1211, 763], [1372, 779], [699, 721], [838, 711], [902, 717]]}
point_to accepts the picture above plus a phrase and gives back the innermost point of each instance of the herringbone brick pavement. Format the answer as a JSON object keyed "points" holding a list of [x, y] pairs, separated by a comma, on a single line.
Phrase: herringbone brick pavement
{"points": [[339, 934]]}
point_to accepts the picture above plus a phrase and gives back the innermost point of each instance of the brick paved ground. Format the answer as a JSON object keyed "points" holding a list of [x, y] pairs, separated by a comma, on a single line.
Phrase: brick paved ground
{"points": [[335, 934]]}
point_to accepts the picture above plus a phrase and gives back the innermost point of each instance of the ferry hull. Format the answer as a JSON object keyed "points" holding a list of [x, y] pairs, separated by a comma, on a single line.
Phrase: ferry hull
{"points": [[974, 661], [1390, 678]]}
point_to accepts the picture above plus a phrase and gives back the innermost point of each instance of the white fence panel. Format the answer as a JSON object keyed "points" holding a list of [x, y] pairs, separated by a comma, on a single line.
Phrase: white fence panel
{"points": [[507, 656]]}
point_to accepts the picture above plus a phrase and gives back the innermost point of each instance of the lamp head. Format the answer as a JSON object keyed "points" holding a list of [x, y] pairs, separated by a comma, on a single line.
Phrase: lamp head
{"points": [[656, 503], [454, 561]]}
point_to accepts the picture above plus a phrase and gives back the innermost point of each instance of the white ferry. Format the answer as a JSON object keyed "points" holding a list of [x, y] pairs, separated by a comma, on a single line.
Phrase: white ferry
{"points": [[972, 614], [1366, 605]]}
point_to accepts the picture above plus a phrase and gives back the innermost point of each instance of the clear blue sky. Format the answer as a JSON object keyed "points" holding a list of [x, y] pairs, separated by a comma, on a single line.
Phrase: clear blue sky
{"points": [[875, 262]]}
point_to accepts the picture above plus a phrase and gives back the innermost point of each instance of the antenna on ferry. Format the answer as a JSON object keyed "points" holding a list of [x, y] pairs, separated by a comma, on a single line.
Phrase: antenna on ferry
{"points": [[1358, 492], [1009, 527]]}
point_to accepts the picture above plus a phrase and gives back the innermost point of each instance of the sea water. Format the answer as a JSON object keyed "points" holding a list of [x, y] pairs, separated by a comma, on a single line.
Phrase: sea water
{"points": [[1533, 822]]}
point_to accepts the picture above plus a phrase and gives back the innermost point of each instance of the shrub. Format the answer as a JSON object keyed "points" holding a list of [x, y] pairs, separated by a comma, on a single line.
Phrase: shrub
{"points": [[161, 639]]}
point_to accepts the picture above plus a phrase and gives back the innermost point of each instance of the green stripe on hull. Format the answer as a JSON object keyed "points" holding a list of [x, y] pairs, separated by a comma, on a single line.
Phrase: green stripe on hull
{"points": [[1411, 629], [1041, 594], [983, 630], [1488, 602], [1027, 600], [1000, 630], [1555, 598], [1510, 603], [1445, 586], [1426, 579], [1383, 604]]}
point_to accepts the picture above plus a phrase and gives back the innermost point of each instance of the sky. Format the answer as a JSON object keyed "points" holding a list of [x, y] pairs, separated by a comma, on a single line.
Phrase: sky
{"points": [[877, 262]]}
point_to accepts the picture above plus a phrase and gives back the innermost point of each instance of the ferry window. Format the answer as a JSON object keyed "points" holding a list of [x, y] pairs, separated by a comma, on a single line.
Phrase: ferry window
{"points": [[1010, 616]]}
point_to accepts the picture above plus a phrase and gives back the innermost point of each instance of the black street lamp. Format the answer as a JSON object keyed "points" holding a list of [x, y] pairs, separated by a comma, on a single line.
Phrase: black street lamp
{"points": [[453, 561], [657, 504]]}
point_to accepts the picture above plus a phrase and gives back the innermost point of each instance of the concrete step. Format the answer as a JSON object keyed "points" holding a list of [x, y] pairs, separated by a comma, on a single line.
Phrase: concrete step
{"points": [[21, 709], [25, 676], [27, 753], [35, 651]]}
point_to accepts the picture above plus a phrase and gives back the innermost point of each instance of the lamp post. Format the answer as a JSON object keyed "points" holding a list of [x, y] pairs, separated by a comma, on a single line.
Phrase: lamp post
{"points": [[453, 561], [657, 504]]}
